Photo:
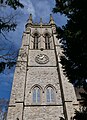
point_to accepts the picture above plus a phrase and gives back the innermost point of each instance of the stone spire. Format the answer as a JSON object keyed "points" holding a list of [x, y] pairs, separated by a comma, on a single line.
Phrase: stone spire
{"points": [[29, 23], [30, 19], [51, 20], [40, 21]]}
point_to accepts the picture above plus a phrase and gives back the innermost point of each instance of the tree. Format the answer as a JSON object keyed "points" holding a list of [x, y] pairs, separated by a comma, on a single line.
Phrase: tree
{"points": [[3, 108], [82, 113], [73, 37], [8, 23]]}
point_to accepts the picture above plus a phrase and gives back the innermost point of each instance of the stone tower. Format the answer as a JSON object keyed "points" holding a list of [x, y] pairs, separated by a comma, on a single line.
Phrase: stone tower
{"points": [[40, 90]]}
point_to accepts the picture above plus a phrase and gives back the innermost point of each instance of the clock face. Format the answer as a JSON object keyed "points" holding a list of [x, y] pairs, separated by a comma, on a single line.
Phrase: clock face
{"points": [[42, 59]]}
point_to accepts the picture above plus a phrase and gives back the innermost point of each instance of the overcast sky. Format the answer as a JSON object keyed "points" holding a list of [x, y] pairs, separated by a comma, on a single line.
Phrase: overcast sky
{"points": [[38, 8]]}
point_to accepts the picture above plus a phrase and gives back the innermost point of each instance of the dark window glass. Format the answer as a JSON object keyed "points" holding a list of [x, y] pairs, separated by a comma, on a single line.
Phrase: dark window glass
{"points": [[47, 42], [35, 45]]}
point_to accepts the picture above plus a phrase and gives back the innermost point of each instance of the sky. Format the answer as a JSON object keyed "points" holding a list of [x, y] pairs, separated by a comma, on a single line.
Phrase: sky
{"points": [[39, 9]]}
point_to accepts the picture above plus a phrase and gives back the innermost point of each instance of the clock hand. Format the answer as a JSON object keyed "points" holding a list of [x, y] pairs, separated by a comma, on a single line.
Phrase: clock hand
{"points": [[41, 57]]}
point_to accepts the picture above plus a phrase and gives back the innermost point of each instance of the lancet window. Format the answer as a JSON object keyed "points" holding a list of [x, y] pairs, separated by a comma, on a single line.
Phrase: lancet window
{"points": [[35, 44], [47, 41], [36, 95], [50, 95]]}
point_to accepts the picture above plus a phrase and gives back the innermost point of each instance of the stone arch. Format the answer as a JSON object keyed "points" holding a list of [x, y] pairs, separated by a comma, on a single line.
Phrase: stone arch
{"points": [[50, 85], [46, 32], [50, 94], [36, 85], [47, 40], [36, 41], [36, 93], [35, 32]]}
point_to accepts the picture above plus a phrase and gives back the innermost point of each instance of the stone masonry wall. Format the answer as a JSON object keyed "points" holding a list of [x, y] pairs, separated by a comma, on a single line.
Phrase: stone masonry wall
{"points": [[42, 76], [43, 113]]}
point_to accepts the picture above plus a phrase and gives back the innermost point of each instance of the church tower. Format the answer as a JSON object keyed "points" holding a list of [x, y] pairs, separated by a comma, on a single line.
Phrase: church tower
{"points": [[40, 90]]}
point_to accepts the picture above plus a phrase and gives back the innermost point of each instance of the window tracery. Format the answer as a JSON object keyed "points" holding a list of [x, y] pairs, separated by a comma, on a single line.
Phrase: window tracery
{"points": [[47, 41], [50, 95], [35, 44], [36, 95], [50, 92]]}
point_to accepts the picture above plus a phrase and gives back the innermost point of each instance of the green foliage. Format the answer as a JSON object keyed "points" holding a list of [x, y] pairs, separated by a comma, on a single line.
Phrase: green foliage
{"points": [[3, 65], [3, 108], [74, 39], [4, 26], [7, 24], [82, 113], [12, 3]]}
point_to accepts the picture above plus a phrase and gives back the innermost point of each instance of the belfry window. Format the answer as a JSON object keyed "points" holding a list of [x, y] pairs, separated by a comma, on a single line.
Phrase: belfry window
{"points": [[35, 44], [50, 96], [47, 41], [36, 95]]}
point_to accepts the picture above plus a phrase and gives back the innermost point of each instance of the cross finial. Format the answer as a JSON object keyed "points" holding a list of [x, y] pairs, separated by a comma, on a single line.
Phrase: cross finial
{"points": [[30, 19], [51, 19], [40, 20]]}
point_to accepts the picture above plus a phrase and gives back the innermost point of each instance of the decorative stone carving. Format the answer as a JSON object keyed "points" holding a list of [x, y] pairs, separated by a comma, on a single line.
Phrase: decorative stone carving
{"points": [[42, 59], [35, 32], [46, 32]]}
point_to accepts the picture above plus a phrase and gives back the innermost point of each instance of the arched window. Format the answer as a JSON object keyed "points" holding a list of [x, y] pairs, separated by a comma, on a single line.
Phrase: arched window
{"points": [[47, 41], [35, 45], [50, 95], [36, 95]]}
